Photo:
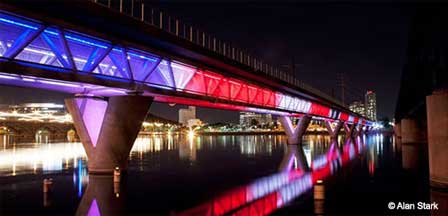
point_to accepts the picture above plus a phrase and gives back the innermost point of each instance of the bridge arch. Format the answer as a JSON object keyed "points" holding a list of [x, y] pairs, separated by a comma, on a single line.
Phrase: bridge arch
{"points": [[6, 129]]}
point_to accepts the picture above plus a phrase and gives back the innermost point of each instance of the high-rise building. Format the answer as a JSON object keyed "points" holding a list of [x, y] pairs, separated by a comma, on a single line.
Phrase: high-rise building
{"points": [[371, 105], [358, 107], [187, 114], [250, 118]]}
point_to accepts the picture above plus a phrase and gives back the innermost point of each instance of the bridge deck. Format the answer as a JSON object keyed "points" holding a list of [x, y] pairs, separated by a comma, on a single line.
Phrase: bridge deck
{"points": [[32, 51]]}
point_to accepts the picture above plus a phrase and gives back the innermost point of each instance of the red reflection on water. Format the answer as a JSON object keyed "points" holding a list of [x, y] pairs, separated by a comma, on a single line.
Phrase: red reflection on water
{"points": [[270, 193]]}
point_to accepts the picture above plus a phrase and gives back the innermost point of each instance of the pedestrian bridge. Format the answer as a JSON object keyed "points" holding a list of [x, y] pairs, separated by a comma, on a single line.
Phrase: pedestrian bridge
{"points": [[116, 80], [38, 55]]}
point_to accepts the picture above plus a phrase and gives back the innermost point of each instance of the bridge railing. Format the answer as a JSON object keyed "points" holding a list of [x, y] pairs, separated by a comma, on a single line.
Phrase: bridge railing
{"points": [[155, 17]]}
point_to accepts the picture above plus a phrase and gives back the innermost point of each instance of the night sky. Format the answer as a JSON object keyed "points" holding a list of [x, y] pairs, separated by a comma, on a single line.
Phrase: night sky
{"points": [[365, 41]]}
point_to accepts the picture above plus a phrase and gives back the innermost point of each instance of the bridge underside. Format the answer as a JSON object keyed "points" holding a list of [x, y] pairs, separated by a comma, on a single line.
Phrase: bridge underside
{"points": [[115, 85], [37, 55]]}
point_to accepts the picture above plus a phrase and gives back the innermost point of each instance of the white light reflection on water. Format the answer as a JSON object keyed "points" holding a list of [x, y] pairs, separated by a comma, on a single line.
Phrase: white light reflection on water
{"points": [[26, 158], [46, 157]]}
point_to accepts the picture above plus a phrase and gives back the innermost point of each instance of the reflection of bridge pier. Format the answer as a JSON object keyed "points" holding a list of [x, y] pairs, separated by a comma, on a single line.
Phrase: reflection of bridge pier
{"points": [[265, 195], [413, 140], [102, 197], [294, 159], [108, 128]]}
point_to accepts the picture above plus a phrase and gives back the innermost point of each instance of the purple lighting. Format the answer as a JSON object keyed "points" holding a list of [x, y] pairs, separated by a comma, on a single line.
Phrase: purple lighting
{"points": [[34, 44], [94, 210], [92, 111]]}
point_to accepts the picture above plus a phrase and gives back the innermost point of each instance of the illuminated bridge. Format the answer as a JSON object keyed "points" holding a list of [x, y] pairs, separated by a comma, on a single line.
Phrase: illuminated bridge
{"points": [[117, 66]]}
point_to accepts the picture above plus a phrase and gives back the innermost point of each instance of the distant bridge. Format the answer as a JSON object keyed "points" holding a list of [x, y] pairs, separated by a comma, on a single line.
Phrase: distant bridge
{"points": [[28, 129]]}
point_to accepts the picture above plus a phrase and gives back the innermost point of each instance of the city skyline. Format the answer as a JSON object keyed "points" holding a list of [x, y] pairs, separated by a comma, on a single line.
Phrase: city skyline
{"points": [[366, 107]]}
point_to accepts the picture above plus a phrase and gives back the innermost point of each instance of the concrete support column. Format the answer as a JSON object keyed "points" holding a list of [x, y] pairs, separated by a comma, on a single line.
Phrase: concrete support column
{"points": [[412, 131], [365, 129], [397, 129], [295, 134], [333, 130], [108, 128], [437, 113], [348, 129], [356, 130]]}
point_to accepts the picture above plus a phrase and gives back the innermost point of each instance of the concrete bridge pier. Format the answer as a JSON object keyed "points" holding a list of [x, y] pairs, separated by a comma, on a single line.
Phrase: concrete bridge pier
{"points": [[397, 129], [295, 134], [412, 131], [437, 114], [348, 129], [357, 130], [365, 129], [108, 128], [369, 129], [333, 131]]}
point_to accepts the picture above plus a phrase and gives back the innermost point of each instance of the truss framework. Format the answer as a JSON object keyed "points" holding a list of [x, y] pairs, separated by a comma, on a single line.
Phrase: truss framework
{"points": [[31, 41]]}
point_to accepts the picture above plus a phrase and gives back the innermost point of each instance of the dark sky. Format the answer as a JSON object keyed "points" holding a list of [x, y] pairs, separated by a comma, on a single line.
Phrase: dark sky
{"points": [[365, 41]]}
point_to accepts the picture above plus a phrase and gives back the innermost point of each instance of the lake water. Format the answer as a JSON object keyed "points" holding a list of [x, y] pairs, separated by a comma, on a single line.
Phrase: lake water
{"points": [[213, 175]]}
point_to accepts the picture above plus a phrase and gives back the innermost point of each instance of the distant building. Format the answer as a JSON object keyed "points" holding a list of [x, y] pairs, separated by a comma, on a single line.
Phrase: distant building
{"points": [[371, 105], [358, 107], [194, 122], [250, 118], [187, 114]]}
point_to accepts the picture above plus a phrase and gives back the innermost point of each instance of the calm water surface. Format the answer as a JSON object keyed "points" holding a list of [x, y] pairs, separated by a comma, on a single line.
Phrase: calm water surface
{"points": [[206, 175]]}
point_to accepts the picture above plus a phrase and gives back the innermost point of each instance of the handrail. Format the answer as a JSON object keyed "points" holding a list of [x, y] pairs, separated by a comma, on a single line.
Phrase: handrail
{"points": [[157, 18]]}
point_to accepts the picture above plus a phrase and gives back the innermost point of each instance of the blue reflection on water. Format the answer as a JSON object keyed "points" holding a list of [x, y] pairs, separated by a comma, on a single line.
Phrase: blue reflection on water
{"points": [[80, 177]]}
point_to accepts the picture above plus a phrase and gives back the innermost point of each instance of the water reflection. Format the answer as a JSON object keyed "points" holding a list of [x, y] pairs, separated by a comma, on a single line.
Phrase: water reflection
{"points": [[80, 177], [102, 197], [270, 193], [32, 157], [47, 157], [440, 197], [414, 156], [301, 169], [294, 158]]}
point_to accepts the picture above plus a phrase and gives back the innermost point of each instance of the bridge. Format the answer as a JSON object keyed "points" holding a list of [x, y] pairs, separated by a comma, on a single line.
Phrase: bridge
{"points": [[117, 65], [421, 115], [28, 130]]}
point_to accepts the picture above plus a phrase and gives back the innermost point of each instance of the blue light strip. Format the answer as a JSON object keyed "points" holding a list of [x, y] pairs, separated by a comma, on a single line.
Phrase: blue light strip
{"points": [[154, 59], [51, 32], [85, 41], [18, 23]]}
